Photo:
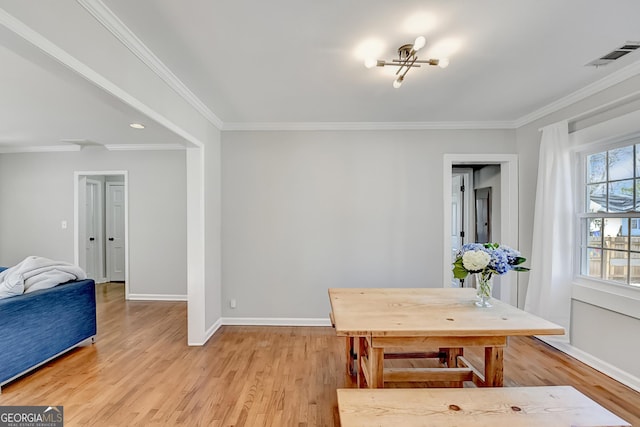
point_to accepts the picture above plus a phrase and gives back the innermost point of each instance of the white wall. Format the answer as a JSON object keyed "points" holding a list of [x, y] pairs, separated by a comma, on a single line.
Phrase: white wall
{"points": [[306, 211], [36, 194], [598, 332]]}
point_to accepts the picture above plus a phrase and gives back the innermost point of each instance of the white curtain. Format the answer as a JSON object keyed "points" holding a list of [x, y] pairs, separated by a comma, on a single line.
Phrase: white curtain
{"points": [[549, 290]]}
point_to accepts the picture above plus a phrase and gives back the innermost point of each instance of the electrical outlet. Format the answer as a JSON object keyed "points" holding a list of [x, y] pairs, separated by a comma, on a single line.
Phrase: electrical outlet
{"points": [[63, 224], [233, 303]]}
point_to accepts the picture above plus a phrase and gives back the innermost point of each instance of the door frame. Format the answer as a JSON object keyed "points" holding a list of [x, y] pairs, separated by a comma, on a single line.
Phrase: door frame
{"points": [[508, 210], [77, 176]]}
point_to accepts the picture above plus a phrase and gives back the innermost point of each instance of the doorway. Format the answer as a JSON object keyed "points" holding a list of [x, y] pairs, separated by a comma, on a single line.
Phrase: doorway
{"points": [[505, 215], [101, 225]]}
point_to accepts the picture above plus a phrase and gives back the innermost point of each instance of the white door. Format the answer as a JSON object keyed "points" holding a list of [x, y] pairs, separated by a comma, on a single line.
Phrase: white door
{"points": [[460, 215], [92, 230], [115, 232]]}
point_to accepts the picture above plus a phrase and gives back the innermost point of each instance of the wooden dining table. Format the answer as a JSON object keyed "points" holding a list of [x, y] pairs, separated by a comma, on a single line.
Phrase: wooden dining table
{"points": [[436, 321]]}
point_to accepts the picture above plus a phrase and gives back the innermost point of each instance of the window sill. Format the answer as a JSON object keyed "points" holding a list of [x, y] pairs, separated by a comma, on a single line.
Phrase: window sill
{"points": [[618, 298]]}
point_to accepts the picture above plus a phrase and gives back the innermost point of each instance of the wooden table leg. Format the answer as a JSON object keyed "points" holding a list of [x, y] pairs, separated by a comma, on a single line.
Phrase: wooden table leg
{"points": [[493, 366], [376, 367]]}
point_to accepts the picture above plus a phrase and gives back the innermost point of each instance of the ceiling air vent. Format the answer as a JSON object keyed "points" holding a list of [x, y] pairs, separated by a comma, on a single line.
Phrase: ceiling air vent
{"points": [[618, 53]]}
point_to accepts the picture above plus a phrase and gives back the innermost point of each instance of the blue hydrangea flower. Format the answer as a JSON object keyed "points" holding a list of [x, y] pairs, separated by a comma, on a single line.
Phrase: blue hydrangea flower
{"points": [[499, 261], [512, 254]]}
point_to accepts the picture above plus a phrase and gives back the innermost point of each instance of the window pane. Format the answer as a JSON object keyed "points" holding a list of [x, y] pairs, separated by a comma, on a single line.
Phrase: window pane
{"points": [[596, 171], [637, 195], [592, 259], [635, 235], [596, 198], [616, 233], [621, 163], [594, 236], [635, 269], [615, 266], [621, 196]]}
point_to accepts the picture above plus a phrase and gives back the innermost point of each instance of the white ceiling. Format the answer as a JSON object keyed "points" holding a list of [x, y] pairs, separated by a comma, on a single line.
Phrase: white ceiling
{"points": [[253, 62], [43, 103]]}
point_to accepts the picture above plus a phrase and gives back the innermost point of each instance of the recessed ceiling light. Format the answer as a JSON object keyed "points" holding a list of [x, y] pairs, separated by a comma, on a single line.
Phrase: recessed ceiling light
{"points": [[137, 125]]}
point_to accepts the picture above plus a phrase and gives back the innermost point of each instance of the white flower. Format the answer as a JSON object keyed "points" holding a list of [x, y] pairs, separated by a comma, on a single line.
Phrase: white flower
{"points": [[475, 260]]}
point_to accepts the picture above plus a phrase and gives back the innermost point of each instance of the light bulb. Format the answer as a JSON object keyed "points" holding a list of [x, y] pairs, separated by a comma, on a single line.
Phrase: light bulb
{"points": [[443, 63], [370, 62], [419, 43], [398, 82]]}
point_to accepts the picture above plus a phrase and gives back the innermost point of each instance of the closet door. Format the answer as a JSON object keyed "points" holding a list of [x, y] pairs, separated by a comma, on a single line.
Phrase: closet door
{"points": [[115, 232]]}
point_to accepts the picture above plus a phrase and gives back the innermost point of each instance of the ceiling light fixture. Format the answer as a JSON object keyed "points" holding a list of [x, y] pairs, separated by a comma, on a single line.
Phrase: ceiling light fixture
{"points": [[407, 59], [136, 125]]}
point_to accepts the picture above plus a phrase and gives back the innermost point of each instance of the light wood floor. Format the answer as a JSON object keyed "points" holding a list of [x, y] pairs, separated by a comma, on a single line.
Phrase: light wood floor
{"points": [[140, 372]]}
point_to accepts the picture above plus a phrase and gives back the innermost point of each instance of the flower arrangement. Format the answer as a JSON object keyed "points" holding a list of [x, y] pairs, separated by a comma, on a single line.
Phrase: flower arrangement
{"points": [[485, 260]]}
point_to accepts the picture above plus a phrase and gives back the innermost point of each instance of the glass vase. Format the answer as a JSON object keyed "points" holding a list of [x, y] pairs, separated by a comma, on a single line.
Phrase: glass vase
{"points": [[484, 284]]}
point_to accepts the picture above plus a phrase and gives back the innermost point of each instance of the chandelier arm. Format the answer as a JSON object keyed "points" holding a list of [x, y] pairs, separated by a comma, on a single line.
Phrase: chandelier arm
{"points": [[404, 64], [408, 67], [428, 61]]}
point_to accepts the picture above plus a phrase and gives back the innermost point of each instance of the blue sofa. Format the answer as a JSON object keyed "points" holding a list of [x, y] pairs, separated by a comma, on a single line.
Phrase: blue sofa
{"points": [[39, 326]]}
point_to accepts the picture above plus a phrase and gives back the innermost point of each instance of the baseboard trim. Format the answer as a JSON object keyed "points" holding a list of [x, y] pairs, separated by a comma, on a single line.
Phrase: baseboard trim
{"points": [[275, 321], [598, 364], [208, 334], [259, 321], [156, 297]]}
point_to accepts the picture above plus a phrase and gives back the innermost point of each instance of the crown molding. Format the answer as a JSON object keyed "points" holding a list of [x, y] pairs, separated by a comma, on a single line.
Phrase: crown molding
{"points": [[113, 24], [341, 126], [606, 82], [144, 147], [39, 149]]}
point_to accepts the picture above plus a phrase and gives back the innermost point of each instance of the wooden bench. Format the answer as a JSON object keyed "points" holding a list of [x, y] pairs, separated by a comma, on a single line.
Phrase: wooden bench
{"points": [[509, 407]]}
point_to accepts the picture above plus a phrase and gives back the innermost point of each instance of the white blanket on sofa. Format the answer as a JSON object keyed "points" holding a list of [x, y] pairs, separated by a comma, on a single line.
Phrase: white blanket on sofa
{"points": [[35, 273]]}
